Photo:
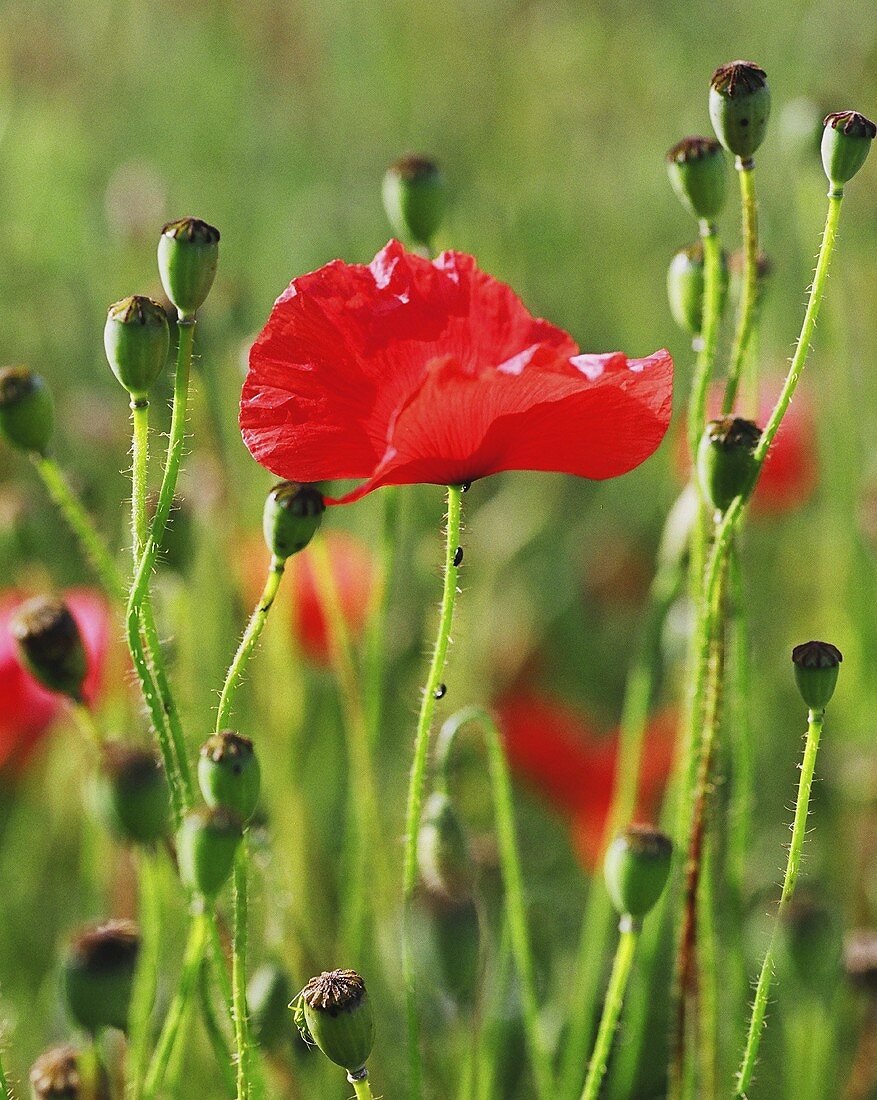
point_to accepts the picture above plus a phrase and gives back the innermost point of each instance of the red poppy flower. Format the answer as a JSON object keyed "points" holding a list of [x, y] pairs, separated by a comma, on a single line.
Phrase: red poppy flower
{"points": [[26, 709], [555, 749], [410, 370]]}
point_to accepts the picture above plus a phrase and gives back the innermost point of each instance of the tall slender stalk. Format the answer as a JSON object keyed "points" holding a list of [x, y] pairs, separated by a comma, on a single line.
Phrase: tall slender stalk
{"points": [[747, 314], [621, 968], [243, 1036]]}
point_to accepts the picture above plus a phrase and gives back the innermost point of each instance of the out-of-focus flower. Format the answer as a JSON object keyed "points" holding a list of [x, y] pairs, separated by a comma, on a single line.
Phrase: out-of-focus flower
{"points": [[27, 710], [410, 370], [556, 750]]}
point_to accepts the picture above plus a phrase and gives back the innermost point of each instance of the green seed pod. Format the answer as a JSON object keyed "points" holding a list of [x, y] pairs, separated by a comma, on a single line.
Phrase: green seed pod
{"points": [[443, 857], [636, 867], [268, 995], [50, 645], [685, 287], [65, 1073], [27, 412], [228, 773], [132, 794], [740, 107], [726, 460], [860, 960], [415, 198], [293, 514], [136, 340], [337, 1016], [98, 974], [846, 142], [188, 252], [816, 667], [699, 174], [456, 935], [207, 842]]}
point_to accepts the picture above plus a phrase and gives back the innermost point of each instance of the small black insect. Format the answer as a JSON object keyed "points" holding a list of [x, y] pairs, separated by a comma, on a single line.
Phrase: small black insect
{"points": [[466, 486], [440, 692], [458, 555]]}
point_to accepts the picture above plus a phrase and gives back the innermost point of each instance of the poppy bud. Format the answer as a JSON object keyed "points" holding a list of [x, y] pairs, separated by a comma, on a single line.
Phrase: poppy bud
{"points": [[188, 252], [65, 1073], [136, 340], [456, 936], [636, 868], [98, 974], [860, 960], [336, 1014], [414, 198], [816, 667], [132, 794], [207, 842], [228, 774], [740, 107], [268, 995], [27, 412], [51, 646], [846, 142], [698, 174], [726, 460], [443, 856], [293, 514], [685, 287]]}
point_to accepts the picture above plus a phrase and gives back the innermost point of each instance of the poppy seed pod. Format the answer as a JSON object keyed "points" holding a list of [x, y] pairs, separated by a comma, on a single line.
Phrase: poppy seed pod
{"points": [[846, 142], [132, 794], [636, 869], [415, 197], [698, 174], [816, 668], [740, 107], [443, 857], [51, 646], [337, 1016], [685, 287], [136, 340], [98, 974], [229, 775], [292, 516], [268, 995], [207, 842], [27, 412], [188, 253], [65, 1073], [726, 460]]}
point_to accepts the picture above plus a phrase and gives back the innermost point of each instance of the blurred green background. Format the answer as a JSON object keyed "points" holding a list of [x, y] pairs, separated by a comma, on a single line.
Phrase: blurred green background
{"points": [[275, 122]]}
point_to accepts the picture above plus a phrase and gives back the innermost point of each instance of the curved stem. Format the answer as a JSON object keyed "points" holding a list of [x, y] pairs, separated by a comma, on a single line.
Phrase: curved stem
{"points": [[793, 866], [146, 983], [139, 469], [513, 879], [748, 310], [243, 1038], [621, 968], [418, 781], [248, 642]]}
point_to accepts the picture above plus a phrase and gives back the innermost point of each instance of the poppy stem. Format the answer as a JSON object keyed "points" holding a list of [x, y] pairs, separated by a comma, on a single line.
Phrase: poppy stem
{"points": [[221, 1050], [246, 1054], [815, 722], [86, 722], [248, 643], [146, 983], [748, 309], [362, 1087], [417, 782], [512, 876], [621, 968], [712, 313]]}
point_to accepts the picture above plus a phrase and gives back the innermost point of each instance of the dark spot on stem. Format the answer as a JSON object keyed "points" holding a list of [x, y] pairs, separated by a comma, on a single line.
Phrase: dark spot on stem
{"points": [[440, 692], [458, 556]]}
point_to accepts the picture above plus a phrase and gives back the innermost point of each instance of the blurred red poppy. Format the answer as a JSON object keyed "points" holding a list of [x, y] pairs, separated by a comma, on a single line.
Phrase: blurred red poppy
{"points": [[409, 370], [26, 709], [558, 752]]}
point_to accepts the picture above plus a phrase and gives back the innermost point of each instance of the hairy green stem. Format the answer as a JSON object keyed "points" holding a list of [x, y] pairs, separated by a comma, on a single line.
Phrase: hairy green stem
{"points": [[712, 313], [243, 1038], [361, 1087], [146, 983], [417, 784], [747, 314], [621, 968]]}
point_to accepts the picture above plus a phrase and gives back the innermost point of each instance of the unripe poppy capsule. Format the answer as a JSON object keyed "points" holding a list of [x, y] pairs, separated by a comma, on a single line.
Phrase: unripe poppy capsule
{"points": [[136, 340], [337, 1015], [65, 1073], [726, 460], [698, 174], [415, 198], [51, 646], [132, 794], [292, 516], [739, 105], [636, 868], [456, 937], [188, 253], [207, 842], [98, 974], [685, 287], [27, 412], [229, 775], [846, 142], [443, 857], [816, 669]]}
